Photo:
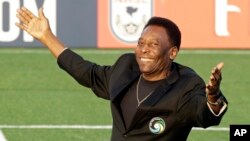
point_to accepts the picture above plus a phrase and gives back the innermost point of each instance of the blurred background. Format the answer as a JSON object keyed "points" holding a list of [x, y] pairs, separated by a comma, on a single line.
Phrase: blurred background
{"points": [[40, 102]]}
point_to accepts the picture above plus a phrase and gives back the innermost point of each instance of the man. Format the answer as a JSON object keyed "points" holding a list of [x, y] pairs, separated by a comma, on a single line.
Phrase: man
{"points": [[152, 98]]}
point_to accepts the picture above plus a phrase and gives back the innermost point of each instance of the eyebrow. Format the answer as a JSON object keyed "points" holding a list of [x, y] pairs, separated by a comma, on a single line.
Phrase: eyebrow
{"points": [[154, 39]]}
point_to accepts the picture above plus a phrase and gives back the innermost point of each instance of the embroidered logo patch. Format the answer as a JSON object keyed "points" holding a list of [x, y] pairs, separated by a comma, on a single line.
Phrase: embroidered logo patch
{"points": [[157, 125]]}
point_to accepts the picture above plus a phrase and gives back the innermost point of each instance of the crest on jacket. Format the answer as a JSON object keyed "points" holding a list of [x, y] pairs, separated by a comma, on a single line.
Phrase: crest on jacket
{"points": [[157, 125], [128, 17]]}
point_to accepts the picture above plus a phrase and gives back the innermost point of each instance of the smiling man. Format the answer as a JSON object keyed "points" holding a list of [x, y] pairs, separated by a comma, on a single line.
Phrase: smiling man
{"points": [[152, 97], [155, 52]]}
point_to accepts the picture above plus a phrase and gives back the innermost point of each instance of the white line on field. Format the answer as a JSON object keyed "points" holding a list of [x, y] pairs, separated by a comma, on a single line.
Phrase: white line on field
{"points": [[2, 137], [100, 51], [212, 129], [87, 127], [55, 126]]}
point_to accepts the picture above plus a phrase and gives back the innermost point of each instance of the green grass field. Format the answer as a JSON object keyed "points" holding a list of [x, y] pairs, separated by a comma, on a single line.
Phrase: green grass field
{"points": [[34, 91]]}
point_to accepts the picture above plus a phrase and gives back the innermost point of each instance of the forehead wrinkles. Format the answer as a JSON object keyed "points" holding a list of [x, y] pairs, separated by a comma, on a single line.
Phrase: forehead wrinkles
{"points": [[155, 33]]}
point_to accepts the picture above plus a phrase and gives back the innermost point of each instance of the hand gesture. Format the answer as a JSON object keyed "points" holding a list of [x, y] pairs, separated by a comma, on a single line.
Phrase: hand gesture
{"points": [[39, 28], [35, 26], [213, 86]]}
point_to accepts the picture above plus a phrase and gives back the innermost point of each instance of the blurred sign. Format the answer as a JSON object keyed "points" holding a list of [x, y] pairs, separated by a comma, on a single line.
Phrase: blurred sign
{"points": [[119, 23], [204, 24]]}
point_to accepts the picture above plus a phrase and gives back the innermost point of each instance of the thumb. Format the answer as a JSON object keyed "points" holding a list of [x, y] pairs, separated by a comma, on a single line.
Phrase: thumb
{"points": [[220, 66], [40, 13]]}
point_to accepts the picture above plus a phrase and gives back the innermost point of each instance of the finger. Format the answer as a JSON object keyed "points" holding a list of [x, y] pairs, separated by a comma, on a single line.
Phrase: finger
{"points": [[21, 26], [216, 73], [23, 16], [22, 19], [217, 76], [212, 80], [210, 83], [23, 11], [28, 12], [213, 83], [208, 86], [209, 89]]}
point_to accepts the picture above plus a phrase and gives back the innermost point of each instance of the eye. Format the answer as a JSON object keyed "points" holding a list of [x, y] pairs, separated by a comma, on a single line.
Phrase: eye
{"points": [[155, 44], [140, 43]]}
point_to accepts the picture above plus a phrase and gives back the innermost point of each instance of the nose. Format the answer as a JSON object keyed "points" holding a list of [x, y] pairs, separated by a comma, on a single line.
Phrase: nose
{"points": [[145, 49]]}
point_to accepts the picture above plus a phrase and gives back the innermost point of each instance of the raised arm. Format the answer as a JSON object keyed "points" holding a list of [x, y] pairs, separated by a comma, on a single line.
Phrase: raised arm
{"points": [[39, 28]]}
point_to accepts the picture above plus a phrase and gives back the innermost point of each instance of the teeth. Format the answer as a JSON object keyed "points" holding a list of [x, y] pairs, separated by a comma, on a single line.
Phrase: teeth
{"points": [[146, 59]]}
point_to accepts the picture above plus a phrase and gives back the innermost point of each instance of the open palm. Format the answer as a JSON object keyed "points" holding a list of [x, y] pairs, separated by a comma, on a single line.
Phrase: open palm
{"points": [[35, 26]]}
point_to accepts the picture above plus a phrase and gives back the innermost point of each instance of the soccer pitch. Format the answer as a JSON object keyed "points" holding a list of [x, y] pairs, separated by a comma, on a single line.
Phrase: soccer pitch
{"points": [[40, 102]]}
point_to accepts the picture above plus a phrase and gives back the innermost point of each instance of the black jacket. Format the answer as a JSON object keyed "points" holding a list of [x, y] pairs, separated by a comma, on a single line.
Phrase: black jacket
{"points": [[176, 105]]}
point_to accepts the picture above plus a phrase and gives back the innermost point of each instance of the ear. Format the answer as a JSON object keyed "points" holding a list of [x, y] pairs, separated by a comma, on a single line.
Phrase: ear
{"points": [[173, 52]]}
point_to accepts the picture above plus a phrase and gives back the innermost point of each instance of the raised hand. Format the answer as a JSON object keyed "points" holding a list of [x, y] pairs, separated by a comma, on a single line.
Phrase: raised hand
{"points": [[37, 27], [213, 85]]}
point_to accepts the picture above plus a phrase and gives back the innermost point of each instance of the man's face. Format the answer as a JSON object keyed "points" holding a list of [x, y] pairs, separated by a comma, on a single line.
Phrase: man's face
{"points": [[152, 51]]}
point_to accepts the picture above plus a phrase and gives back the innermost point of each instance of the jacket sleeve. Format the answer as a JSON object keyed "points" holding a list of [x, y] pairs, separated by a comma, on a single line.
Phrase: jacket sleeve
{"points": [[85, 72], [193, 105]]}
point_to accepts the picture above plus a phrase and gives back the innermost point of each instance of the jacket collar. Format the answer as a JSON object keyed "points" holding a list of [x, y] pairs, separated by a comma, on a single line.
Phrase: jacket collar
{"points": [[126, 81]]}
